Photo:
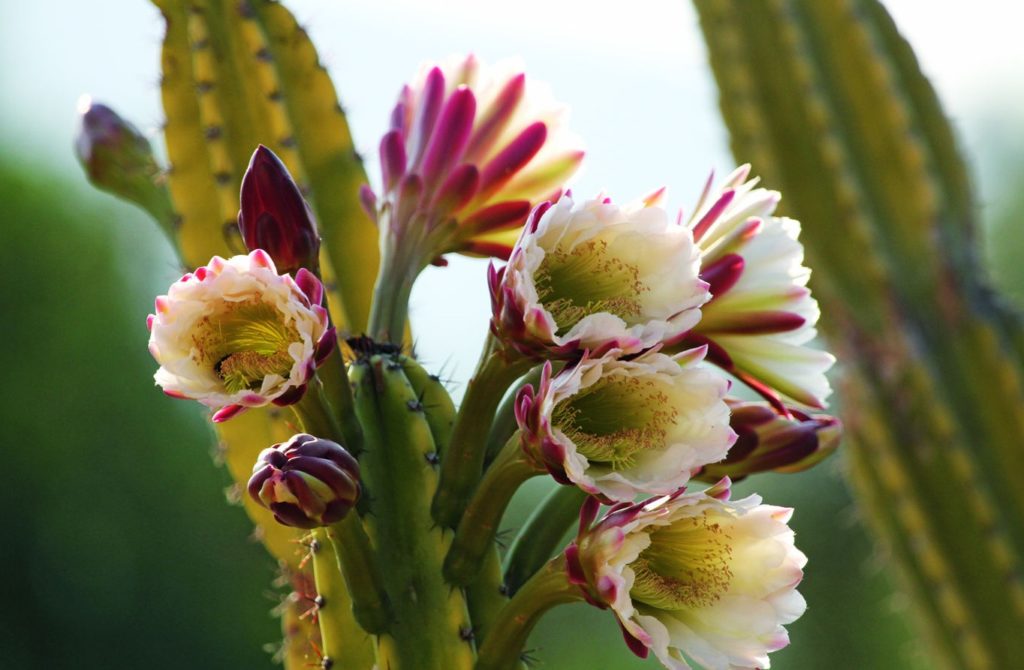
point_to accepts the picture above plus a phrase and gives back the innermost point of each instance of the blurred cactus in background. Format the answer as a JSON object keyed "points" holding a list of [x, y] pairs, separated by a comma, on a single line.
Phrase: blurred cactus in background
{"points": [[828, 100]]}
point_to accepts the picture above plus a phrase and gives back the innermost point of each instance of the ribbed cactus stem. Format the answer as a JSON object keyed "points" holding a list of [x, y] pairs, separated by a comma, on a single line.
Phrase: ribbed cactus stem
{"points": [[463, 463], [431, 628], [343, 642], [542, 535], [479, 524], [357, 562], [546, 589]]}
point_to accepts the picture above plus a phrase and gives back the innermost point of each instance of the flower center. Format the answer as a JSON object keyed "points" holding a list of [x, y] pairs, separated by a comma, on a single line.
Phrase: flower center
{"points": [[585, 280], [244, 343], [615, 419], [686, 566]]}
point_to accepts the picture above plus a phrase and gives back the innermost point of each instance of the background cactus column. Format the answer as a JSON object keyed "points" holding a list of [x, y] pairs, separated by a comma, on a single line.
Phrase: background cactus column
{"points": [[827, 100]]}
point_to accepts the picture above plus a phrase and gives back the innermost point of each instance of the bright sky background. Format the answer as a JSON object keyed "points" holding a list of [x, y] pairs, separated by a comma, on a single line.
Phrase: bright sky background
{"points": [[634, 74]]}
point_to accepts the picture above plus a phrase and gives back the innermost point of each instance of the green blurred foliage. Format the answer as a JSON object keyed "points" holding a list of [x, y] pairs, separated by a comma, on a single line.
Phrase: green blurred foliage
{"points": [[118, 548]]}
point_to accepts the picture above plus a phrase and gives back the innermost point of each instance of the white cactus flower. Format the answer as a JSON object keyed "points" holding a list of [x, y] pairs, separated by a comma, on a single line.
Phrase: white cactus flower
{"points": [[597, 277], [695, 576], [234, 334], [619, 428]]}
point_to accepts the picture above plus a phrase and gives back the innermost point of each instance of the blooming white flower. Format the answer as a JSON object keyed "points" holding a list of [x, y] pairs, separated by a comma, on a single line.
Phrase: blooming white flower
{"points": [[469, 151], [234, 334], [694, 576], [618, 428], [761, 315], [597, 277]]}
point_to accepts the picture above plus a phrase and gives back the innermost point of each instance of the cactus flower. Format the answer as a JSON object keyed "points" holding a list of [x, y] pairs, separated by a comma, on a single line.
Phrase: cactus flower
{"points": [[596, 277], [235, 334], [470, 150], [769, 441], [275, 217], [694, 574], [307, 482], [618, 428], [761, 315]]}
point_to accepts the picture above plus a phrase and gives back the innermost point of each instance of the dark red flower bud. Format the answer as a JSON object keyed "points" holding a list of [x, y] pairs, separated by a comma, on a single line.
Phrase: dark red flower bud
{"points": [[274, 215], [306, 482], [769, 441]]}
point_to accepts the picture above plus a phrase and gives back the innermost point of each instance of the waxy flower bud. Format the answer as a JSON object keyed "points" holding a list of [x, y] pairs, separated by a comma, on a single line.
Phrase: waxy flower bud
{"points": [[118, 159], [768, 441], [307, 482], [274, 215]]}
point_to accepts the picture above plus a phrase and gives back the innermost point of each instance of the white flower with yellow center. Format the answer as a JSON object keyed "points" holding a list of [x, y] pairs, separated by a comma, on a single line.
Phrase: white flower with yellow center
{"points": [[761, 316], [618, 428], [694, 577], [234, 334], [597, 277]]}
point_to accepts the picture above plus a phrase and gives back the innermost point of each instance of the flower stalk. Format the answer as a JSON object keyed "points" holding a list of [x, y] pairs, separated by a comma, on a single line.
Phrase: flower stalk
{"points": [[542, 535], [548, 588], [479, 524], [462, 465]]}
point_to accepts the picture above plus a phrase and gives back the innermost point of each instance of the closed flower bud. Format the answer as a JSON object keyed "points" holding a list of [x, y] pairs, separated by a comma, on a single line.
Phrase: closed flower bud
{"points": [[307, 482], [118, 159], [769, 441], [275, 217], [693, 576]]}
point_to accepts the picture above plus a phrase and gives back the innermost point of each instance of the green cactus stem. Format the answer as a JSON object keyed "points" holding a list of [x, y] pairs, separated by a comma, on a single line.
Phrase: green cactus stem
{"points": [[430, 628], [846, 126], [463, 463], [542, 535], [344, 643]]}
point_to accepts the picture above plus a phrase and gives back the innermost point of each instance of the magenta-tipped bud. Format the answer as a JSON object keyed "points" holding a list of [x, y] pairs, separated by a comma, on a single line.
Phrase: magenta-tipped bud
{"points": [[307, 482], [117, 158], [275, 217], [769, 441]]}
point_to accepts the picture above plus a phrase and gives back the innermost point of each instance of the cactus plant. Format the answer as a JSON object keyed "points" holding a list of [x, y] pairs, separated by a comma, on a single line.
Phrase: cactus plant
{"points": [[377, 492], [828, 100]]}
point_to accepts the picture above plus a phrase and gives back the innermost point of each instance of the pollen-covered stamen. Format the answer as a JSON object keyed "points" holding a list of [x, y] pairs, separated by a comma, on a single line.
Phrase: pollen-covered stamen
{"points": [[587, 279], [686, 566], [615, 419], [244, 343]]}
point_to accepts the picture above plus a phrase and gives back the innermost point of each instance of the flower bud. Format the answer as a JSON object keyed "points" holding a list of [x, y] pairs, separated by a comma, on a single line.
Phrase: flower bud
{"points": [[307, 482], [274, 215], [768, 441], [118, 159]]}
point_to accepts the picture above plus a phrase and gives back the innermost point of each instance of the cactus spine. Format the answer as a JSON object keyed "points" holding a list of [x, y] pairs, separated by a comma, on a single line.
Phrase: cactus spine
{"points": [[431, 626], [847, 126]]}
